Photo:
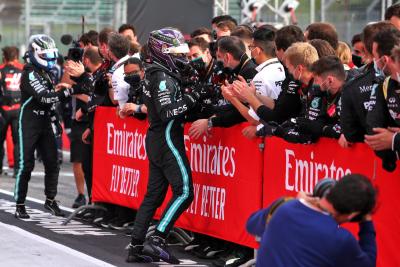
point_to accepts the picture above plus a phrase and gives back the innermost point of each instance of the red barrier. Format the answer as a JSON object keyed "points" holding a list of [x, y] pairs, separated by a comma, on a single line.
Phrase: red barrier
{"points": [[227, 176], [10, 148], [290, 168], [227, 183]]}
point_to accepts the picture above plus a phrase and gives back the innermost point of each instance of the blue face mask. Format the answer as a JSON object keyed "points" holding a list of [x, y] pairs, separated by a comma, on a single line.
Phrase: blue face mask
{"points": [[51, 64]]}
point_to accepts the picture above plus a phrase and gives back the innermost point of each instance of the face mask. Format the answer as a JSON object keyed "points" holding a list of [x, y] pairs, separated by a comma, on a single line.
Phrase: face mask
{"points": [[132, 79], [357, 60], [378, 71], [325, 88], [298, 78], [198, 64]]}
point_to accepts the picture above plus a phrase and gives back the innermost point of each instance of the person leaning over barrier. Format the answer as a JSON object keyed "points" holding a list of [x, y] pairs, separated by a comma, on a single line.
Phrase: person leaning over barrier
{"points": [[383, 119], [308, 233]]}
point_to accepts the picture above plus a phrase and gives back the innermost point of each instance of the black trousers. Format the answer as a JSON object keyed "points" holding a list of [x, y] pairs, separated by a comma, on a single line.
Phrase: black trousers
{"points": [[35, 132], [168, 166], [10, 118]]}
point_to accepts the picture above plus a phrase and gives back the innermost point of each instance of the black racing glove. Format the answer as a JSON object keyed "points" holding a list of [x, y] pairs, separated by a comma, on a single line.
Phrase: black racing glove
{"points": [[202, 92], [332, 131], [312, 127], [268, 129], [56, 126]]}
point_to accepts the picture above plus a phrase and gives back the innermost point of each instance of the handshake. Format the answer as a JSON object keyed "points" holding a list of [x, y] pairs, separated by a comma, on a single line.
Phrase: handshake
{"points": [[200, 92]]}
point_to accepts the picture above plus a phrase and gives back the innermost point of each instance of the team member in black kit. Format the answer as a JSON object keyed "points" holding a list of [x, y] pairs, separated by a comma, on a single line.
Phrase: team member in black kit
{"points": [[356, 93], [37, 122], [166, 106], [10, 78]]}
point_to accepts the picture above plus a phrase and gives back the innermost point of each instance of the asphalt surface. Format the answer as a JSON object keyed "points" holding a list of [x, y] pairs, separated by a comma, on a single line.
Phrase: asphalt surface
{"points": [[48, 243], [66, 182]]}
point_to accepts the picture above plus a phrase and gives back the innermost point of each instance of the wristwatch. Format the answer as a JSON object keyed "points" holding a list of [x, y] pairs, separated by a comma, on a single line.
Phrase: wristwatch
{"points": [[209, 123], [138, 109]]}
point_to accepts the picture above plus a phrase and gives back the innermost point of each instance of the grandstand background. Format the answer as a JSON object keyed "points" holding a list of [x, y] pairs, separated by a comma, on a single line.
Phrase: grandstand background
{"points": [[21, 18]]}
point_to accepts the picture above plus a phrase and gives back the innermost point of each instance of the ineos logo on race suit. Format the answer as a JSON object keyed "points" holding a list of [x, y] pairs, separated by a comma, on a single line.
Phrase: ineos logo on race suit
{"points": [[176, 111]]}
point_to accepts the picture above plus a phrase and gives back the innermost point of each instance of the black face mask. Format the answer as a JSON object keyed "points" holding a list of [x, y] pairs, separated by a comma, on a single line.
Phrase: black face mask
{"points": [[132, 79], [198, 64], [357, 60]]}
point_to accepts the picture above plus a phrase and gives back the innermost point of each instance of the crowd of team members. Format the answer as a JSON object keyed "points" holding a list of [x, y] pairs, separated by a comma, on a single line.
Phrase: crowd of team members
{"points": [[296, 85]]}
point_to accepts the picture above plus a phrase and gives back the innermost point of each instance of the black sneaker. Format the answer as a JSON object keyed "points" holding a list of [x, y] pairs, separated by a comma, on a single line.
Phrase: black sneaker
{"points": [[80, 200], [196, 242], [135, 254], [53, 207], [155, 247], [236, 258], [121, 225], [209, 251], [20, 212]]}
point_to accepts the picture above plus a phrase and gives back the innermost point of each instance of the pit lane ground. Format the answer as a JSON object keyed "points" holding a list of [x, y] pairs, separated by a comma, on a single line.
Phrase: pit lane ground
{"points": [[43, 241]]}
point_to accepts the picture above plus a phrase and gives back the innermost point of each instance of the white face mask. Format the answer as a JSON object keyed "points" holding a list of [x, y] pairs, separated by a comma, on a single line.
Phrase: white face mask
{"points": [[379, 71], [398, 77], [323, 87]]}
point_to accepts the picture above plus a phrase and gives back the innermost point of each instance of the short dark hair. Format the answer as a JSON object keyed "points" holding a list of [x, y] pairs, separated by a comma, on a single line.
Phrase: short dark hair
{"points": [[268, 27], [393, 10], [288, 35], [93, 55], [125, 27], [89, 37], [200, 42], [201, 31], [323, 47], [104, 35], [243, 32], [232, 45], [265, 39], [136, 61], [329, 65], [356, 38], [371, 30], [386, 41], [10, 53], [221, 18], [119, 45], [226, 24], [353, 193], [145, 53], [324, 31]]}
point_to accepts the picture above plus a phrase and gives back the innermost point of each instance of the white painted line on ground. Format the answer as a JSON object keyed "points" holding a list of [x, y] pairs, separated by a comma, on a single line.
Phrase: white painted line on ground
{"points": [[55, 245], [34, 200]]}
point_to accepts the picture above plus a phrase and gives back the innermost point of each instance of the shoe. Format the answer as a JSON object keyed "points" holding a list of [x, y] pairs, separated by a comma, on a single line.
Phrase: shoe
{"points": [[80, 200], [235, 258], [195, 243], [52, 206], [155, 247], [20, 212], [119, 224], [135, 254], [209, 250]]}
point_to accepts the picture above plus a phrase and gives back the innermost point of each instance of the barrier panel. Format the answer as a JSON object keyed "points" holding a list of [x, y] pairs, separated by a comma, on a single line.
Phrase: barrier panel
{"points": [[226, 167], [233, 178], [289, 168]]}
